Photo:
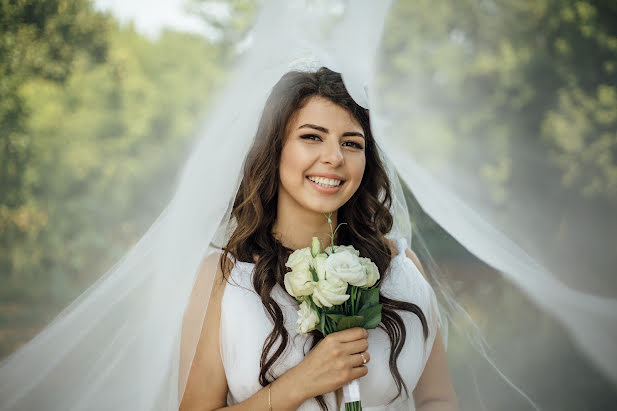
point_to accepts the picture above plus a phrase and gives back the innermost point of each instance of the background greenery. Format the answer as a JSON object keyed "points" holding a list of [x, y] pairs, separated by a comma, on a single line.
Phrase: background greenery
{"points": [[95, 119]]}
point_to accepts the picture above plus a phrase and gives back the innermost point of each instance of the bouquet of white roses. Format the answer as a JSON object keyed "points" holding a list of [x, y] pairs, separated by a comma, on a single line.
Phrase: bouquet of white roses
{"points": [[336, 291]]}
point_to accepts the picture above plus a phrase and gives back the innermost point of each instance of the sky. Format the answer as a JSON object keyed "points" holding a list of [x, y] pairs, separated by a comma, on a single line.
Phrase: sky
{"points": [[150, 16]]}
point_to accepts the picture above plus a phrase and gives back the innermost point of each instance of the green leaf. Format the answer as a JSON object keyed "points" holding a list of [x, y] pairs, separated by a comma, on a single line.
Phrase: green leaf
{"points": [[321, 325], [372, 316], [335, 318], [369, 297], [365, 309], [349, 322]]}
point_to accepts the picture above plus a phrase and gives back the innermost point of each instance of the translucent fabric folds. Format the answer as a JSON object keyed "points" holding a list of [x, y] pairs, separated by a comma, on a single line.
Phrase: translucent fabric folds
{"points": [[128, 342]]}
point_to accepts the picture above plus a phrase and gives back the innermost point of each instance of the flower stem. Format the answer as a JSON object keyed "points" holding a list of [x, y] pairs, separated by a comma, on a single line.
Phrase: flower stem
{"points": [[353, 406]]}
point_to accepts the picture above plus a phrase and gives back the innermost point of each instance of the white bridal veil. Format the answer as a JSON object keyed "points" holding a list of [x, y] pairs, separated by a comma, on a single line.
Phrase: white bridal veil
{"points": [[127, 342]]}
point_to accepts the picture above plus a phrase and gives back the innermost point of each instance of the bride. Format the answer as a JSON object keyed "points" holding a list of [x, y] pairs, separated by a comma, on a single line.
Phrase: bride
{"points": [[313, 154], [195, 315]]}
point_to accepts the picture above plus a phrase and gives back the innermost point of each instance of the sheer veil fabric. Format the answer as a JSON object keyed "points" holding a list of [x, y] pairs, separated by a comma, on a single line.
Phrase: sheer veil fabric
{"points": [[128, 341]]}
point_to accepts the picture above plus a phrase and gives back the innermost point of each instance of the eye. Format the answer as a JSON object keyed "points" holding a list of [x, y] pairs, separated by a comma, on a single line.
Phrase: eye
{"points": [[310, 137], [354, 144]]}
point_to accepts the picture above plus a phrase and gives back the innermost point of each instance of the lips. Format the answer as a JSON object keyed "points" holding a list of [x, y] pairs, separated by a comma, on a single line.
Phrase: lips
{"points": [[326, 182], [323, 189], [330, 176]]}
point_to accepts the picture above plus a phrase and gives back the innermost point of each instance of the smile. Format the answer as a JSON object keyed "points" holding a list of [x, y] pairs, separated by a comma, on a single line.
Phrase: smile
{"points": [[325, 182], [325, 185]]}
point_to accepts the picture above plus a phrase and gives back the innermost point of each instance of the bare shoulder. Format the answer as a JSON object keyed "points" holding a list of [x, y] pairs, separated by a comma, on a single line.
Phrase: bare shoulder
{"points": [[200, 335], [413, 257], [210, 280], [409, 253], [392, 246], [216, 264]]}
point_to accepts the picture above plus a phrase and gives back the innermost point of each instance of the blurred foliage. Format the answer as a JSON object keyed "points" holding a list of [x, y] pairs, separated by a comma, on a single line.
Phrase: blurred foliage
{"points": [[94, 121], [38, 40], [513, 101], [546, 69], [494, 79]]}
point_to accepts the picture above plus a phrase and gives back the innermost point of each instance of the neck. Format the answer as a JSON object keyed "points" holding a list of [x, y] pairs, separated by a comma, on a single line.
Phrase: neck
{"points": [[295, 227]]}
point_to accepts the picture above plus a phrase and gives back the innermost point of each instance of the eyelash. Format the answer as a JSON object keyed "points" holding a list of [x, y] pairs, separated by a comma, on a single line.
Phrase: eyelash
{"points": [[307, 137]]}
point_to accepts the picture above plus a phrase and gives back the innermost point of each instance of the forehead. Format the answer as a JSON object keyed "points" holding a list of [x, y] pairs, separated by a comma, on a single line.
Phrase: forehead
{"points": [[323, 112]]}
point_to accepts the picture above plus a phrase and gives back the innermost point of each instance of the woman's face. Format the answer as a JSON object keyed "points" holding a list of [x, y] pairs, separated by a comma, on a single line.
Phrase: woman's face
{"points": [[323, 157]]}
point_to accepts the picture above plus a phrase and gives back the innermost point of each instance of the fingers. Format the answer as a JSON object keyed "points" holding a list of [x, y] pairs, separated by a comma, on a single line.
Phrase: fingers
{"points": [[354, 347], [359, 359], [348, 350], [336, 360], [357, 372], [351, 334]]}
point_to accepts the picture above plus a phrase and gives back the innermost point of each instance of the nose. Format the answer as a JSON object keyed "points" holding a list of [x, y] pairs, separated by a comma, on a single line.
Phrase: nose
{"points": [[332, 154]]}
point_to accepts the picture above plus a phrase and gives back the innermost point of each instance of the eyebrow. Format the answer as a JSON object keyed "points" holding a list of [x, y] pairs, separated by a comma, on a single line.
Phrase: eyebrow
{"points": [[325, 130]]}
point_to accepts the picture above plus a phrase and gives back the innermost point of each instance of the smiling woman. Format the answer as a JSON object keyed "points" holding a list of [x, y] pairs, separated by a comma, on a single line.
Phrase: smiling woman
{"points": [[313, 154], [319, 172], [327, 180], [136, 336]]}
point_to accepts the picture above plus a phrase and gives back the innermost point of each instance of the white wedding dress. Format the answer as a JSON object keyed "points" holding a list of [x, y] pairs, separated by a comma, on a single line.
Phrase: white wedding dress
{"points": [[245, 325]]}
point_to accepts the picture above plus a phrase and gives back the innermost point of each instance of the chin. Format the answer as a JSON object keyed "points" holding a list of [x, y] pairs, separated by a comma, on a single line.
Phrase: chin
{"points": [[323, 208], [326, 210]]}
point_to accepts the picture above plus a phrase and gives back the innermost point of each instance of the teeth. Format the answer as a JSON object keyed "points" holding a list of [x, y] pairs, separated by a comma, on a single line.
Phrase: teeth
{"points": [[325, 182]]}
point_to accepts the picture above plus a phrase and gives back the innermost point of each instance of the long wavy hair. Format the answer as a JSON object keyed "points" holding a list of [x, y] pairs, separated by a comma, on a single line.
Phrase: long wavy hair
{"points": [[366, 214]]}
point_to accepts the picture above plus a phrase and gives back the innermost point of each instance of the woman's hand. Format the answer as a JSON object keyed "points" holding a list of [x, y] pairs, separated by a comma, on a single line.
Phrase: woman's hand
{"points": [[332, 363]]}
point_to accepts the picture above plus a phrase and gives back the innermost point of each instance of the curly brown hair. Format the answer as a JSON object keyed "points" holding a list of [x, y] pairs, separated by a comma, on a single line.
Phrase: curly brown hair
{"points": [[366, 214]]}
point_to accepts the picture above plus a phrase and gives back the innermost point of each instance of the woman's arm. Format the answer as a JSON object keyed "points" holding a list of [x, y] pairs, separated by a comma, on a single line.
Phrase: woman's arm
{"points": [[434, 391], [206, 388]]}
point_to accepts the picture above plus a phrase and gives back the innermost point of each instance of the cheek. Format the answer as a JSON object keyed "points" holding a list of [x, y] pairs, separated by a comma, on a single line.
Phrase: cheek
{"points": [[357, 169], [291, 166]]}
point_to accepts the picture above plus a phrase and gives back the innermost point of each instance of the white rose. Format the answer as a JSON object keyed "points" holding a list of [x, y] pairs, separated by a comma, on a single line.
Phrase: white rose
{"points": [[299, 282], [307, 318], [339, 248], [300, 259], [346, 266], [372, 272], [330, 292]]}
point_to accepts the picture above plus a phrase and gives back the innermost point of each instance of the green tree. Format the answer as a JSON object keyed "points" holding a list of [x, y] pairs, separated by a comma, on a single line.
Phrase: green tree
{"points": [[91, 155], [38, 40], [511, 73]]}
